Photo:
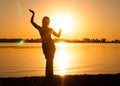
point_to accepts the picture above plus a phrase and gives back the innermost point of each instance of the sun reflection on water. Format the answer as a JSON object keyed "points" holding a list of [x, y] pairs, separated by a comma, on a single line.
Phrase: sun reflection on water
{"points": [[61, 59]]}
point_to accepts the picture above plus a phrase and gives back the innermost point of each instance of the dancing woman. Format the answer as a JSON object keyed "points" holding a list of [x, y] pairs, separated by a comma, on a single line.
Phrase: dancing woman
{"points": [[48, 45]]}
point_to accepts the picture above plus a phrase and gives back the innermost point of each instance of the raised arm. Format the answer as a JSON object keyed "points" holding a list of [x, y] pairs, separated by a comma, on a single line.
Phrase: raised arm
{"points": [[32, 19], [57, 34]]}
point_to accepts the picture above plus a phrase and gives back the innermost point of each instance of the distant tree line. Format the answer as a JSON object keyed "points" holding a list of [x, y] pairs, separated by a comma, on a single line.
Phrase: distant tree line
{"points": [[84, 40], [103, 40], [18, 40], [10, 40]]}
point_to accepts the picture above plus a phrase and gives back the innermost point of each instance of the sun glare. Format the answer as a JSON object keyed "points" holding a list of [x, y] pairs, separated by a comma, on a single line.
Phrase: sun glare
{"points": [[65, 22], [20, 42]]}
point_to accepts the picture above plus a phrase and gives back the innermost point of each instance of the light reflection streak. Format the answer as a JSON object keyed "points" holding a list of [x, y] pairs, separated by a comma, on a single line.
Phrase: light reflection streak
{"points": [[61, 59]]}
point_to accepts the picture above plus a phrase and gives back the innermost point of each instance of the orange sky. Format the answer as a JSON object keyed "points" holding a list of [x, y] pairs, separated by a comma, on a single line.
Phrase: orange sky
{"points": [[92, 18]]}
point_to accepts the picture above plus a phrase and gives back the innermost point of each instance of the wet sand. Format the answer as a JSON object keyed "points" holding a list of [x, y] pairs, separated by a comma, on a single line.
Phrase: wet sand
{"points": [[68, 80]]}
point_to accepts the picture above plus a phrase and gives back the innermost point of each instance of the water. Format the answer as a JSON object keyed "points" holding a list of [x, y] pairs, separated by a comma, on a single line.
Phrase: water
{"points": [[27, 59]]}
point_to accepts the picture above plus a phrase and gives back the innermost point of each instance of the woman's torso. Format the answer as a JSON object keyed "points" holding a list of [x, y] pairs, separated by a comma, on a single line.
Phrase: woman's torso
{"points": [[45, 34]]}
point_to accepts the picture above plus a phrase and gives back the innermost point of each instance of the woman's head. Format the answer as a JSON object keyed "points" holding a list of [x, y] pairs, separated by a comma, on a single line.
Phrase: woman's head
{"points": [[45, 21]]}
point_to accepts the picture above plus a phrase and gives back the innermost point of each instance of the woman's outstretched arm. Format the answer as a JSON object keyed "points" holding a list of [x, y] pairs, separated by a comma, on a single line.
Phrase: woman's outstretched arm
{"points": [[32, 19], [57, 34]]}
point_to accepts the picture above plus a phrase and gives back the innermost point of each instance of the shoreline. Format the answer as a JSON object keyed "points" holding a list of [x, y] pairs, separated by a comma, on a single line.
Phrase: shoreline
{"points": [[67, 80]]}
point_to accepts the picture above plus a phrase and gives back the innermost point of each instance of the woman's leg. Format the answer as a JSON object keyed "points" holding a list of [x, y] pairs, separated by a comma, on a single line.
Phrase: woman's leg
{"points": [[49, 56], [49, 68], [49, 65]]}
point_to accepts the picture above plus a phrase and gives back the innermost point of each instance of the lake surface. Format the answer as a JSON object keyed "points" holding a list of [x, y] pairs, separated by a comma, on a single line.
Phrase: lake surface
{"points": [[27, 59]]}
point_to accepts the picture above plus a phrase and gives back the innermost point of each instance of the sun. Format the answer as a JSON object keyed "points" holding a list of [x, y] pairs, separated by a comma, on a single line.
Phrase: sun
{"points": [[63, 21]]}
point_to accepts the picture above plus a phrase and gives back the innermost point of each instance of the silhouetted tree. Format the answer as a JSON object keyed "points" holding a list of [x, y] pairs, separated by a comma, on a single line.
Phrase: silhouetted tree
{"points": [[86, 40], [103, 40]]}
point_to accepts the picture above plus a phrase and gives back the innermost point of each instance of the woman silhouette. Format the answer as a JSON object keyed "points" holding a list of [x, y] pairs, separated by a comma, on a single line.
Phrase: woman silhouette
{"points": [[48, 45]]}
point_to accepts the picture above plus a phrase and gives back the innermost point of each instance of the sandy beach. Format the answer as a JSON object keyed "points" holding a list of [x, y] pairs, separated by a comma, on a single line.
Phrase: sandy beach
{"points": [[68, 80]]}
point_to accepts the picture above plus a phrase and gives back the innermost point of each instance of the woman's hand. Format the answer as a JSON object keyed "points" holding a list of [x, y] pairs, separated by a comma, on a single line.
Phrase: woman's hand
{"points": [[59, 34], [60, 30], [32, 11]]}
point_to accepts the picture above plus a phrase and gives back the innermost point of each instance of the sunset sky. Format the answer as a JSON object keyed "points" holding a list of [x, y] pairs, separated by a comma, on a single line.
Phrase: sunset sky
{"points": [[79, 18]]}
